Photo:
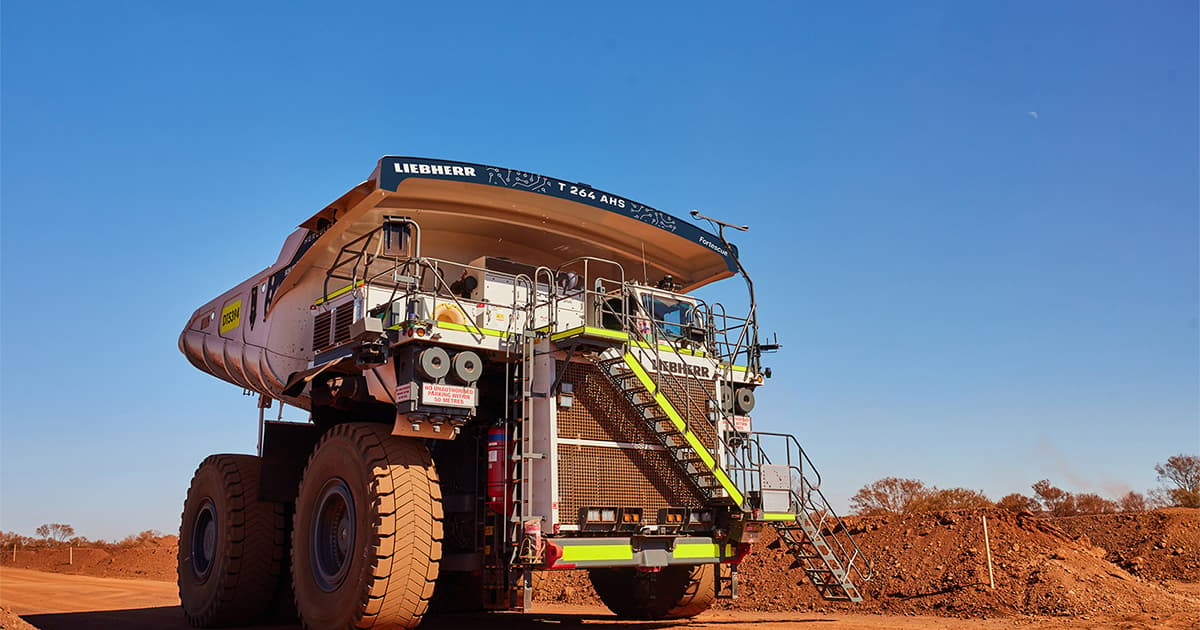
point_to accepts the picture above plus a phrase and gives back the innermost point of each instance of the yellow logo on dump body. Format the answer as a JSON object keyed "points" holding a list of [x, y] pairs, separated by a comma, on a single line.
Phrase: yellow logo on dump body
{"points": [[231, 316]]}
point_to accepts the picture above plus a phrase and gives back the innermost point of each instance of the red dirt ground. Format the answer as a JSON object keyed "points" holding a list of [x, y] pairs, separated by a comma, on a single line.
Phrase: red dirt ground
{"points": [[152, 561], [1139, 567], [935, 563]]}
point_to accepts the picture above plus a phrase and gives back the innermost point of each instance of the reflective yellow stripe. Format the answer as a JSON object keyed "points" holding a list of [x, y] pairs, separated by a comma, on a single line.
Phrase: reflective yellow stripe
{"points": [[591, 332], [487, 331], [691, 551], [677, 420], [582, 553], [727, 483], [666, 348], [336, 294], [778, 517]]}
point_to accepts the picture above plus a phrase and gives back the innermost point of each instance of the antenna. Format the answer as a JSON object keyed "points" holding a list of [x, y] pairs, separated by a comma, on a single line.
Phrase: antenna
{"points": [[645, 273], [741, 228], [752, 318]]}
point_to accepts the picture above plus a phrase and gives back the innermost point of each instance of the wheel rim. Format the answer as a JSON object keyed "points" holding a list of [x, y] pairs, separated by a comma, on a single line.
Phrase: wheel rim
{"points": [[331, 540], [204, 539]]}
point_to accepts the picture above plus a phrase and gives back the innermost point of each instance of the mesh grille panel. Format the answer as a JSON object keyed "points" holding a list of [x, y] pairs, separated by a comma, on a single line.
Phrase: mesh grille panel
{"points": [[599, 475], [692, 405], [600, 411]]}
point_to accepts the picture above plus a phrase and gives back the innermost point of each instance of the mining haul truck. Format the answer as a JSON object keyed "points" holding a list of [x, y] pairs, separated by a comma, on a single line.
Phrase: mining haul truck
{"points": [[503, 374]]}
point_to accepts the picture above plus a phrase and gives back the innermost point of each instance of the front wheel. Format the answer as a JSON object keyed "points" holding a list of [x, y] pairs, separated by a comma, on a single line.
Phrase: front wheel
{"points": [[367, 534], [674, 592]]}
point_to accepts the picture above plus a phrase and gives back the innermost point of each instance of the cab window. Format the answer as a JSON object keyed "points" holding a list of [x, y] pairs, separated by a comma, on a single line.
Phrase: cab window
{"points": [[672, 315]]}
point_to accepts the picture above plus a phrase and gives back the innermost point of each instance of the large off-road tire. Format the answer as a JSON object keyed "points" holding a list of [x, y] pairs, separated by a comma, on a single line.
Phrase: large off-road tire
{"points": [[232, 546], [675, 592], [367, 534]]}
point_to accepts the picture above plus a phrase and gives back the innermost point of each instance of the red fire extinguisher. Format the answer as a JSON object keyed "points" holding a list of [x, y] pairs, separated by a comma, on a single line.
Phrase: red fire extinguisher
{"points": [[497, 468]]}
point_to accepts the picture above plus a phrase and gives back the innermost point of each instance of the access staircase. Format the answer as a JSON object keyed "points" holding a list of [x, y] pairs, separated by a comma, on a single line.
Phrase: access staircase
{"points": [[808, 529], [817, 557], [811, 532], [807, 525], [670, 426]]}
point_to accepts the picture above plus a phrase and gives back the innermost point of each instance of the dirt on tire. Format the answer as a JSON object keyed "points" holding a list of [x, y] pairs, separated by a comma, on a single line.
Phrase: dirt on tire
{"points": [[391, 500], [674, 592]]}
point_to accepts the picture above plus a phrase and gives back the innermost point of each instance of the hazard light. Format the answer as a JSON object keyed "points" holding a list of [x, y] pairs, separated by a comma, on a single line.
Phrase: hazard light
{"points": [[598, 519]]}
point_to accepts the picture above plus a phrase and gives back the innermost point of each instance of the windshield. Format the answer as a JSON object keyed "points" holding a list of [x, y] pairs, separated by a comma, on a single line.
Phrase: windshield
{"points": [[671, 314]]}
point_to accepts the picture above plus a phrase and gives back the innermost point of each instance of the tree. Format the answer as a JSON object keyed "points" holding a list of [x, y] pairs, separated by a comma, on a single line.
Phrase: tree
{"points": [[950, 499], [888, 496], [1091, 503], [144, 538], [1017, 502], [1057, 501], [56, 532], [1159, 498], [1132, 502], [1184, 472]]}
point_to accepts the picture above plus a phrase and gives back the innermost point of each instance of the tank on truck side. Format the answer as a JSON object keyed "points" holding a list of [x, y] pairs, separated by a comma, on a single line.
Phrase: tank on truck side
{"points": [[505, 373]]}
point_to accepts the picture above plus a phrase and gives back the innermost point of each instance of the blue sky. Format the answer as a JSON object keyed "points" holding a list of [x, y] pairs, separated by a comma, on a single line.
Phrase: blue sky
{"points": [[974, 225]]}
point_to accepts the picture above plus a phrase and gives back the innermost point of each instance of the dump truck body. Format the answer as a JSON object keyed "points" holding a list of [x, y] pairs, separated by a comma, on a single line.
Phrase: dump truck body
{"points": [[581, 407]]}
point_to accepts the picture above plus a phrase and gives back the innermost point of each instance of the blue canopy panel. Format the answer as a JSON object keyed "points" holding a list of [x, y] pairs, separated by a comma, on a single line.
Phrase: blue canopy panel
{"points": [[394, 170]]}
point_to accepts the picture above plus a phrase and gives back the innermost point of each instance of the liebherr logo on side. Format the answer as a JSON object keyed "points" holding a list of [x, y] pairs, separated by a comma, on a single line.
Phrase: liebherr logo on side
{"points": [[675, 367], [409, 168]]}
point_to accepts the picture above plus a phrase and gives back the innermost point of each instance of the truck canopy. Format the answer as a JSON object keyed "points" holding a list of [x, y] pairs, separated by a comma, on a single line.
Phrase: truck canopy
{"points": [[466, 210]]}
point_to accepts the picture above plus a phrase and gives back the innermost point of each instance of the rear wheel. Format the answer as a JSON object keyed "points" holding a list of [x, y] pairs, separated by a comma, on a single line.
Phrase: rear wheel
{"points": [[231, 545], [675, 592], [367, 534]]}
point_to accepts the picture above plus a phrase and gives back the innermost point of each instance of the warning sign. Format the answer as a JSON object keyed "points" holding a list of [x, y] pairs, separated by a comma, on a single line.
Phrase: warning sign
{"points": [[406, 392], [447, 395], [740, 424]]}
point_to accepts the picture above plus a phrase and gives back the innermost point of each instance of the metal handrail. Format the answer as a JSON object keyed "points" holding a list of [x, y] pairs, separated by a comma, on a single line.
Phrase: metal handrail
{"points": [[829, 520], [682, 391]]}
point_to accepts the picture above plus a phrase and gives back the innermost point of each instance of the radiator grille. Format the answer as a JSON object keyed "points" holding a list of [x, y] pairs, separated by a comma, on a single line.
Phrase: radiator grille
{"points": [[321, 329], [600, 475], [342, 317], [600, 411], [332, 327], [694, 405]]}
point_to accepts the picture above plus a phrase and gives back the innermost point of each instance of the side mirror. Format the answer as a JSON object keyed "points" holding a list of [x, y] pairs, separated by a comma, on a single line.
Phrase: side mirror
{"points": [[397, 237]]}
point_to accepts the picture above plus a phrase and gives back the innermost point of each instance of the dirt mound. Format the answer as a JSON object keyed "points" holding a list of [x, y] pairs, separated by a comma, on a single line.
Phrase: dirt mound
{"points": [[152, 560], [9, 621], [1158, 545], [935, 563]]}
